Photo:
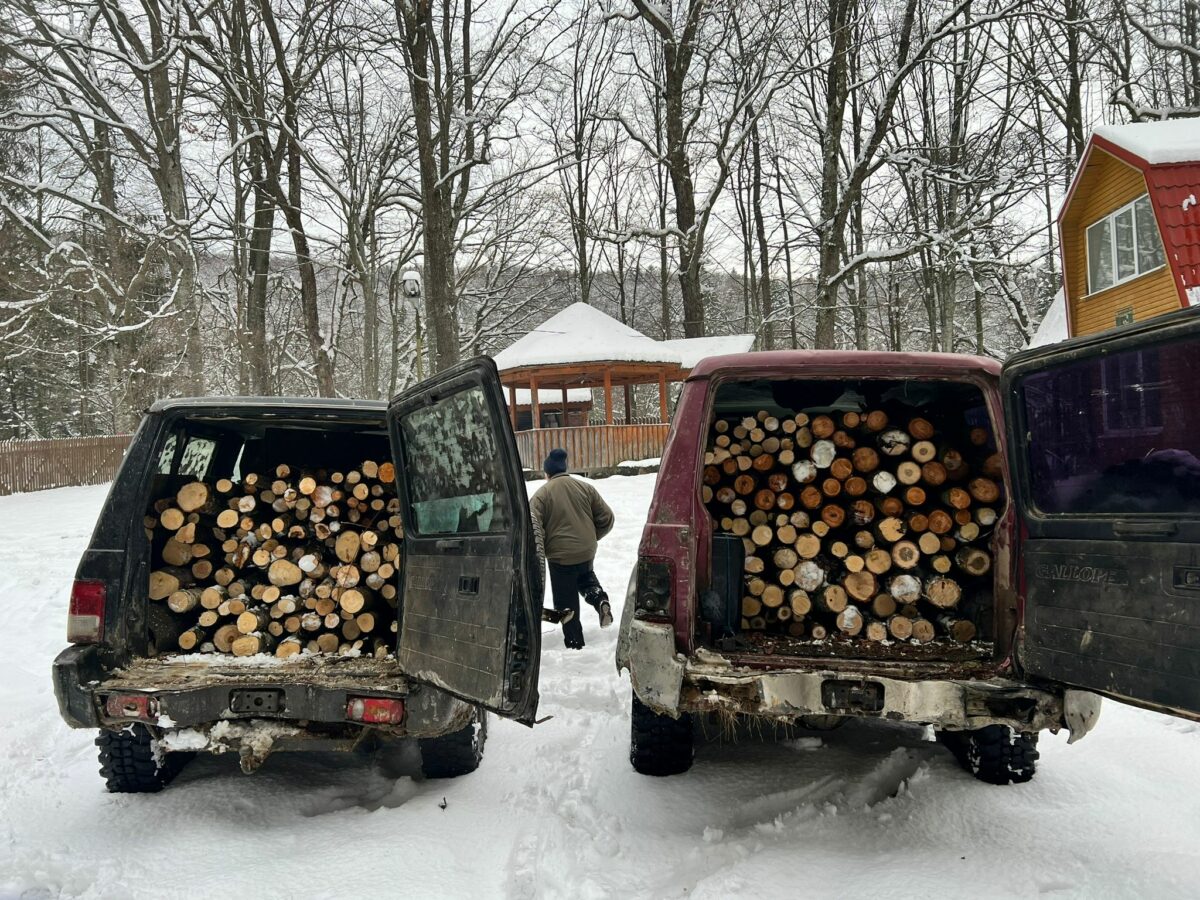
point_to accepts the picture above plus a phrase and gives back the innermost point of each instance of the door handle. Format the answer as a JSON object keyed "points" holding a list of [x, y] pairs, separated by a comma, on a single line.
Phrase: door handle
{"points": [[1145, 529], [452, 544]]}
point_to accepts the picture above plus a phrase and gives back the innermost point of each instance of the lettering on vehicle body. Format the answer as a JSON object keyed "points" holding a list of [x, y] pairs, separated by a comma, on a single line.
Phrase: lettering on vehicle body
{"points": [[1082, 574]]}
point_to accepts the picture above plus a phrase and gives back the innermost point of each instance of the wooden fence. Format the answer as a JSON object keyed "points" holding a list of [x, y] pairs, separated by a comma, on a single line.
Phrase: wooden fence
{"points": [[591, 447], [36, 465]]}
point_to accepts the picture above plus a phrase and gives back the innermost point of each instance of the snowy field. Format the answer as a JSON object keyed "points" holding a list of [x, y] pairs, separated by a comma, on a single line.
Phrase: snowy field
{"points": [[869, 810]]}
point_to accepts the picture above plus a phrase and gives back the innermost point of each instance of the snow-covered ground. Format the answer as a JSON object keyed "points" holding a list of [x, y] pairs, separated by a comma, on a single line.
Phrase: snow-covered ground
{"points": [[869, 810]]}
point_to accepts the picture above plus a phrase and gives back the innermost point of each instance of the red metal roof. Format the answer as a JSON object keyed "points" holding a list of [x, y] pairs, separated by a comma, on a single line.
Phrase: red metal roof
{"points": [[1175, 193]]}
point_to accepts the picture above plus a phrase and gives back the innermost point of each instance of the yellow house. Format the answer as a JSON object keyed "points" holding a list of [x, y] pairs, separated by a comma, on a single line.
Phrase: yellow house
{"points": [[1129, 229]]}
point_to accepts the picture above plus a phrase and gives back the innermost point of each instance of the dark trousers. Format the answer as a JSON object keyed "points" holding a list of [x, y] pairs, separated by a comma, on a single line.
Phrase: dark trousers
{"points": [[566, 584]]}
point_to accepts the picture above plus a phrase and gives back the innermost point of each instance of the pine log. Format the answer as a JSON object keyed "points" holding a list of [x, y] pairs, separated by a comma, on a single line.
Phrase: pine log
{"points": [[283, 573], [960, 630], [985, 516], [799, 602], [956, 498], [916, 522], [818, 632], [831, 598], [876, 632], [762, 535], [772, 596], [166, 581], [940, 521], [754, 565], [861, 585], [878, 561], [192, 638], [865, 460], [890, 529], [833, 515], [184, 599], [924, 451], [252, 620], [929, 543], [908, 472], [855, 486], [973, 561], [985, 490], [785, 558], [883, 606], [933, 474], [941, 564], [905, 555], [900, 627], [224, 637], [808, 545], [251, 644], [841, 468], [943, 592], [175, 553], [921, 429], [923, 631], [823, 426], [171, 519], [751, 606]]}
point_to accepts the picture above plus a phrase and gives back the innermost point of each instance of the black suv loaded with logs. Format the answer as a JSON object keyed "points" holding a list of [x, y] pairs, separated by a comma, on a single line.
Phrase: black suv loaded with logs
{"points": [[295, 574]]}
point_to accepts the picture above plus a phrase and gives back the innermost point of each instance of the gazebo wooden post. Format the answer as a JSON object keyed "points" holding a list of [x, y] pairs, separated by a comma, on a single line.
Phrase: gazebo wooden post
{"points": [[533, 402], [662, 396], [565, 421], [512, 405], [628, 405], [607, 396]]}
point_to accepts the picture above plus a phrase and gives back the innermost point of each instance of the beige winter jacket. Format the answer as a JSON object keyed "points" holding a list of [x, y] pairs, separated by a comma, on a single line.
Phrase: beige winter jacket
{"points": [[569, 517]]}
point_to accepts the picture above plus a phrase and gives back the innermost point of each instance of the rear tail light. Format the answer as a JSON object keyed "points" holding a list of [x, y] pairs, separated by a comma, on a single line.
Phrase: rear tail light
{"points": [[653, 595], [85, 617], [375, 710], [132, 706]]}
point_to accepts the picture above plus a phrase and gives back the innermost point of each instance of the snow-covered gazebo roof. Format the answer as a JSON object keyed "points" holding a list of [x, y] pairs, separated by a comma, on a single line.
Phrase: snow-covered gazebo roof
{"points": [[582, 347]]}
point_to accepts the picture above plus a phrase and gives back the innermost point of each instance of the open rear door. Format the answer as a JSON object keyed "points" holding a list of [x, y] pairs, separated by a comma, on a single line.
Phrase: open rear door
{"points": [[470, 604], [1104, 449]]}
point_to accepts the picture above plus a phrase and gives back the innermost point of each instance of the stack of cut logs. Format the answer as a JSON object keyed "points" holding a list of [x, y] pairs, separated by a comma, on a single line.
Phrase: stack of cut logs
{"points": [[305, 561], [853, 526]]}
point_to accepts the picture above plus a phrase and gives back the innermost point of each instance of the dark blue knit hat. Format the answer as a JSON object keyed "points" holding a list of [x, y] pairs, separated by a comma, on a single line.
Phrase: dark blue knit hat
{"points": [[556, 462]]}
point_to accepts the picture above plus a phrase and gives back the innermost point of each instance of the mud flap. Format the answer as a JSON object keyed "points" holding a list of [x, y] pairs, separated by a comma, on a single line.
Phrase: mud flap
{"points": [[1081, 709]]}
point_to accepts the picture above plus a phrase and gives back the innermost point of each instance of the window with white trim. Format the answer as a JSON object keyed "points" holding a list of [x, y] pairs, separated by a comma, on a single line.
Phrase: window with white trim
{"points": [[1123, 245]]}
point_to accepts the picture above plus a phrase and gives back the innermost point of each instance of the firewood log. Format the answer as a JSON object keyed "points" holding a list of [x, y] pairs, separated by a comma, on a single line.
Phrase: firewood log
{"points": [[283, 573], [171, 519], [883, 606], [192, 638], [929, 543], [831, 598], [878, 561], [940, 521], [900, 627], [883, 481], [808, 545], [890, 529], [905, 555], [923, 630], [973, 561], [751, 606], [984, 490], [923, 451], [850, 620], [251, 644], [823, 453], [920, 429], [785, 558], [894, 442], [960, 630], [943, 592], [184, 599], [908, 472], [809, 576], [860, 586], [905, 588], [762, 535], [772, 596], [166, 581]]}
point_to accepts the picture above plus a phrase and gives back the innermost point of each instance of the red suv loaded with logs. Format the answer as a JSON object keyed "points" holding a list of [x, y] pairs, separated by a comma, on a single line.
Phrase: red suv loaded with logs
{"points": [[930, 538]]}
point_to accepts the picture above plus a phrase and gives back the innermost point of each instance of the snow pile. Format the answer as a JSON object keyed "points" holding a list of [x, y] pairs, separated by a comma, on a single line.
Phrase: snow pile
{"points": [[1053, 327], [871, 809], [1158, 143], [551, 396]]}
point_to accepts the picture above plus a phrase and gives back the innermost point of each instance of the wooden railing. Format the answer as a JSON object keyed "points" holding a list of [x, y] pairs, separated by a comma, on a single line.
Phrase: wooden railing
{"points": [[36, 465], [591, 447]]}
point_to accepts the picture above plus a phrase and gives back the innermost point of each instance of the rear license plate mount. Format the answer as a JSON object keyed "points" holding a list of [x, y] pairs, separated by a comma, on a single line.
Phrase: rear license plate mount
{"points": [[256, 701], [852, 696]]}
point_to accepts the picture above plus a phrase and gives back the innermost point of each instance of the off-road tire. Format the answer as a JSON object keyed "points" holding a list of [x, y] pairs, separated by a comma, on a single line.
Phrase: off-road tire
{"points": [[457, 753], [128, 763], [996, 754], [658, 744]]}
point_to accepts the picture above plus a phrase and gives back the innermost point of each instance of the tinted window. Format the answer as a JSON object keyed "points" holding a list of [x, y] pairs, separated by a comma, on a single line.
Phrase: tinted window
{"points": [[1118, 435], [453, 467]]}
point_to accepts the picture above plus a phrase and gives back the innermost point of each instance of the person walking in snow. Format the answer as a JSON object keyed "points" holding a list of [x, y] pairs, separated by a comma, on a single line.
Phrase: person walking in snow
{"points": [[569, 518]]}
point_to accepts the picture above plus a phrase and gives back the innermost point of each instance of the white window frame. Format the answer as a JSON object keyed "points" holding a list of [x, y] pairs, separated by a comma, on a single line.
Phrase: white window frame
{"points": [[1111, 218]]}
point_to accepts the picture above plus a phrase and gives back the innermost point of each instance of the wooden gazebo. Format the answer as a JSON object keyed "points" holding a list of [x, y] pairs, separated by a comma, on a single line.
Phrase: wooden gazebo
{"points": [[582, 347]]}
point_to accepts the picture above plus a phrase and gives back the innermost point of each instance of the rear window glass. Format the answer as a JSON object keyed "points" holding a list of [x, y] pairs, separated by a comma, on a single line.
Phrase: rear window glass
{"points": [[453, 467], [1119, 434]]}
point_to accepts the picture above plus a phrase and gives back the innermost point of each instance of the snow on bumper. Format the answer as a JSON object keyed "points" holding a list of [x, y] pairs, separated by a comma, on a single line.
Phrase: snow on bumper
{"points": [[671, 683]]}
